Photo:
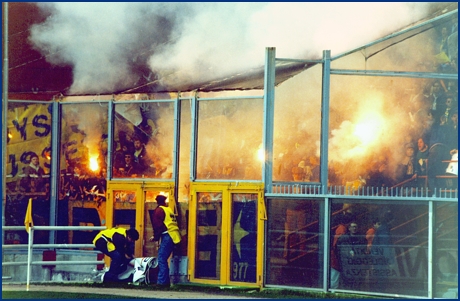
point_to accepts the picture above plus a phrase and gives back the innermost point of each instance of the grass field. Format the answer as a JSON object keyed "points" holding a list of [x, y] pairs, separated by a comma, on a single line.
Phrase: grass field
{"points": [[58, 295], [229, 291]]}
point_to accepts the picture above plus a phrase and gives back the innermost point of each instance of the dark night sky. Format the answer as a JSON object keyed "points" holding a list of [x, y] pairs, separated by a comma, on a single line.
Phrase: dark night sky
{"points": [[30, 75]]}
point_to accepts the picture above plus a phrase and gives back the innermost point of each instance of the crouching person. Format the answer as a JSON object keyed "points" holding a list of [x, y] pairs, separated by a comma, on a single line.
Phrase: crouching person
{"points": [[118, 244]]}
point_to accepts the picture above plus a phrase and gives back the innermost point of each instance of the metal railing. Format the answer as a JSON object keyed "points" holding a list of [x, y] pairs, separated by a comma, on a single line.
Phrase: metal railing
{"points": [[406, 192], [31, 245]]}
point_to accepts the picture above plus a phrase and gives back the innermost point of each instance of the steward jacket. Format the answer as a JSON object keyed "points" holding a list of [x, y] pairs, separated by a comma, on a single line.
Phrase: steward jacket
{"points": [[115, 238], [164, 221]]}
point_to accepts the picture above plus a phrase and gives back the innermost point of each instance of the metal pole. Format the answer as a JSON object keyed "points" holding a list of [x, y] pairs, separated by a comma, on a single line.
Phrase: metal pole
{"points": [[194, 139], [110, 134], [449, 76], [269, 113], [176, 149], [29, 255], [4, 108], [55, 168], [431, 245], [326, 246], [325, 119]]}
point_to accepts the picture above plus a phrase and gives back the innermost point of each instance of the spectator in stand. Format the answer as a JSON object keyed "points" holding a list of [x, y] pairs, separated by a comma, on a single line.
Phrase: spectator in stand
{"points": [[141, 156], [378, 177], [447, 107], [438, 154], [298, 174], [125, 140], [72, 193], [33, 176], [349, 246], [438, 131], [407, 167], [443, 144], [452, 89], [119, 155], [78, 181], [342, 221], [444, 57], [421, 156], [452, 131], [382, 244], [130, 169], [436, 98], [443, 41], [371, 233], [283, 167], [426, 124], [305, 170]]}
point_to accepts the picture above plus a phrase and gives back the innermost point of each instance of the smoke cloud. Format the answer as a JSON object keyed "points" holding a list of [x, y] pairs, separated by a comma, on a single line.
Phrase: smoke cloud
{"points": [[115, 46]]}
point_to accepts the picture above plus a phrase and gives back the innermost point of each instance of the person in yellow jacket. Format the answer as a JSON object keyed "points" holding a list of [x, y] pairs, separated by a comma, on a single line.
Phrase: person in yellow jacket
{"points": [[118, 244], [166, 234]]}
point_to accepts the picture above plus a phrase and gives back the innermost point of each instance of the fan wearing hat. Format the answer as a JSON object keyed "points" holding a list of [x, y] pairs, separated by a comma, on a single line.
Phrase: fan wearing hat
{"points": [[166, 235]]}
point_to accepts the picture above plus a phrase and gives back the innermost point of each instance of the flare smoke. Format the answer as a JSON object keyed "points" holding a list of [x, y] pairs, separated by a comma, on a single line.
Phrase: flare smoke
{"points": [[113, 46]]}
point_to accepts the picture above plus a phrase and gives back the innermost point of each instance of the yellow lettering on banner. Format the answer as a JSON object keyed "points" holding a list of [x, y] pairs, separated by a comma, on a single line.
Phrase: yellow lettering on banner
{"points": [[29, 131]]}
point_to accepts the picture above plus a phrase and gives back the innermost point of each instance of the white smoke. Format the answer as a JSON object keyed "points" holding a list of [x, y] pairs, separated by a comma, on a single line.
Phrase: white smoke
{"points": [[112, 46]]}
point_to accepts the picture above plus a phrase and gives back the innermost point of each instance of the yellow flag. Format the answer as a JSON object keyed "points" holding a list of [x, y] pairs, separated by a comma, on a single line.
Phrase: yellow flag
{"points": [[442, 58], [28, 221]]}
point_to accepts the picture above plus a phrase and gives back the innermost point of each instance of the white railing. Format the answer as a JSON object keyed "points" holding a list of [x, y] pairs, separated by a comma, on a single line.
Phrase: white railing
{"points": [[362, 191], [31, 245]]}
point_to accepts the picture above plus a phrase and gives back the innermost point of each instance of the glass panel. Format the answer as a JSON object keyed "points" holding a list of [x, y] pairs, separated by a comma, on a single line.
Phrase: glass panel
{"points": [[380, 247], [28, 163], [445, 253], [208, 235], [124, 208], [394, 132], [295, 255], [83, 169], [149, 206], [244, 238], [428, 51], [297, 128], [143, 140], [230, 139]]}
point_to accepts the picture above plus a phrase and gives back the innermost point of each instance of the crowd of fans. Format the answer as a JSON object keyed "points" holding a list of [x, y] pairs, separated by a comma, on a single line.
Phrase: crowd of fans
{"points": [[431, 142]]}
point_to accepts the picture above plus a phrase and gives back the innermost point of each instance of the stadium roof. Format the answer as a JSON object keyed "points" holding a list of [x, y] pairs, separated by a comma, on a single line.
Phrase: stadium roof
{"points": [[32, 77]]}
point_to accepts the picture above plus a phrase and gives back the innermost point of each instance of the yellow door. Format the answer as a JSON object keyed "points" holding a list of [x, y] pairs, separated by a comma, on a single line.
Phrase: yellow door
{"points": [[226, 226], [131, 205]]}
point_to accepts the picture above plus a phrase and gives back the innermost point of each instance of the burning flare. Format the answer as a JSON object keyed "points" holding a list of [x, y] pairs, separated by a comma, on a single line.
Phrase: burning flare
{"points": [[369, 128], [261, 154], [93, 164]]}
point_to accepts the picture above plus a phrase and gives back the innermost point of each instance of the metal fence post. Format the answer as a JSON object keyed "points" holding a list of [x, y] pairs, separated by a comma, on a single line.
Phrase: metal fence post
{"points": [[29, 255]]}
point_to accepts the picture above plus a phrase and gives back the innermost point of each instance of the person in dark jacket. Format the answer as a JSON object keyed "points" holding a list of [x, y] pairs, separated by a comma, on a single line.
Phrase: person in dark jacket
{"points": [[118, 244], [33, 176], [382, 244], [349, 246]]}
